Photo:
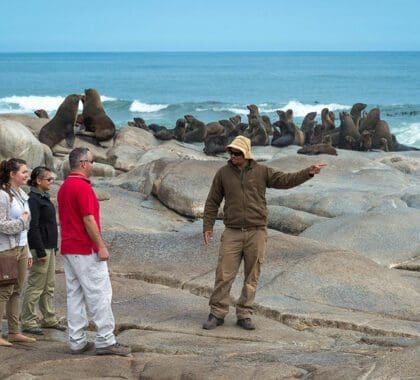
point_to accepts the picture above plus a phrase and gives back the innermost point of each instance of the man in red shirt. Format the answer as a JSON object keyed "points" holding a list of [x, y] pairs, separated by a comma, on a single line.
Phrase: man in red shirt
{"points": [[85, 260]]}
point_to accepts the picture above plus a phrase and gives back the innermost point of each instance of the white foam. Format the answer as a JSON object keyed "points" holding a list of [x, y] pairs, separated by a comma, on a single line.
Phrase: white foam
{"points": [[301, 109], [408, 134], [23, 104], [137, 106], [28, 104]]}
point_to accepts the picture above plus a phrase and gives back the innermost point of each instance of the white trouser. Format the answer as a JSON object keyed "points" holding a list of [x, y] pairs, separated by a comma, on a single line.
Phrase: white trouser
{"points": [[87, 282]]}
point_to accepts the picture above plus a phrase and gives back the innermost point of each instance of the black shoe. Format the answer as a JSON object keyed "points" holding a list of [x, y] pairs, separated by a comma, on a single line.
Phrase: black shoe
{"points": [[88, 347], [33, 330], [212, 322], [58, 326], [114, 349], [246, 324]]}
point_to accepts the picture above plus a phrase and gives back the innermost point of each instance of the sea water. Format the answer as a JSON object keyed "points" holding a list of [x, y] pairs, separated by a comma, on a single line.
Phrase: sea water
{"points": [[162, 87]]}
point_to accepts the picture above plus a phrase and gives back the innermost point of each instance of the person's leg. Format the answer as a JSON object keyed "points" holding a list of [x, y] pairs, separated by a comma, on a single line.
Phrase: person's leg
{"points": [[12, 306], [5, 294], [254, 254], [94, 278], [35, 287], [76, 312], [46, 301], [230, 256]]}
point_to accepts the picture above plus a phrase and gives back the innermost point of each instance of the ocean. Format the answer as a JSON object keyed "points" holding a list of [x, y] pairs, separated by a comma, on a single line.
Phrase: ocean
{"points": [[162, 87]]}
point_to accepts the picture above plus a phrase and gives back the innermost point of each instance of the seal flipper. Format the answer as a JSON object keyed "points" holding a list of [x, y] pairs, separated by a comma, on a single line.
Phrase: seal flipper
{"points": [[70, 135]]}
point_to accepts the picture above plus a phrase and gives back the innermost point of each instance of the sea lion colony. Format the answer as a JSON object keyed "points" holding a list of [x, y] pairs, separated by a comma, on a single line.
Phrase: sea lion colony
{"points": [[358, 129]]}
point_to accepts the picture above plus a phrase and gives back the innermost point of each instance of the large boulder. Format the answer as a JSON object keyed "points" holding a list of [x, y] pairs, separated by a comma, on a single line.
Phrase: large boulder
{"points": [[34, 124], [99, 152], [17, 141]]}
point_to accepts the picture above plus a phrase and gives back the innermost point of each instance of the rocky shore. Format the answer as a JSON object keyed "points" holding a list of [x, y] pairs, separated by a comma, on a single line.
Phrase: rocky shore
{"points": [[339, 295]]}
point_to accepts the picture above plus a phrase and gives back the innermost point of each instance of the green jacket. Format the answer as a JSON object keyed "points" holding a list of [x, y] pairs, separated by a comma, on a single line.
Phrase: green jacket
{"points": [[244, 194]]}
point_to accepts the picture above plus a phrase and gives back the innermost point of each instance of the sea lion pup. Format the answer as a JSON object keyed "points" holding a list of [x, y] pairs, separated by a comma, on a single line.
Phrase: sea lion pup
{"points": [[42, 114], [94, 117], [138, 122], [370, 120], [166, 134], [366, 141], [195, 130], [315, 149], [61, 126], [307, 127], [356, 113], [349, 137], [214, 144]]}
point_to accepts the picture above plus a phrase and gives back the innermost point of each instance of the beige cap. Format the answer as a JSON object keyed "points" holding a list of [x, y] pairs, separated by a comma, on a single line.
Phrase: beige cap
{"points": [[243, 144]]}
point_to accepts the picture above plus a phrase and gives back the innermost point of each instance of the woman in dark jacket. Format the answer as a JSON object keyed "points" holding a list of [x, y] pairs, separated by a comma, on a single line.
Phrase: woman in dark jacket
{"points": [[42, 239]]}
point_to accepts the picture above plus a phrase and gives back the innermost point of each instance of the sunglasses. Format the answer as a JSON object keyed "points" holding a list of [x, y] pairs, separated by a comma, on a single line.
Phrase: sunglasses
{"points": [[236, 154], [90, 161], [48, 179]]}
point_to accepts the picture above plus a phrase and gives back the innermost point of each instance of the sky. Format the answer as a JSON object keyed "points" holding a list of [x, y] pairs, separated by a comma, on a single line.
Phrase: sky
{"points": [[208, 25]]}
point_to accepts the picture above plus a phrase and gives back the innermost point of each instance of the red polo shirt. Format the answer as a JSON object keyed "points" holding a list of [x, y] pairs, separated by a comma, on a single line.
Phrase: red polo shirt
{"points": [[76, 199]]}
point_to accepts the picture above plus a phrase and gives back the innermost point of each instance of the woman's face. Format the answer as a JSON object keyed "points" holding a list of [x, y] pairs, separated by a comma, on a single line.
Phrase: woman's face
{"points": [[20, 177], [45, 181]]}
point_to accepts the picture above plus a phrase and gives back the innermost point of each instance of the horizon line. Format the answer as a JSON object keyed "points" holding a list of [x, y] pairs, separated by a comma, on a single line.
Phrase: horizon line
{"points": [[203, 51]]}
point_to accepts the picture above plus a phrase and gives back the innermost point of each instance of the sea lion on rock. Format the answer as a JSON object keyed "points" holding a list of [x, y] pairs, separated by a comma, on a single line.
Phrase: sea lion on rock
{"points": [[267, 123], [307, 127], [235, 119], [195, 130], [61, 126], [366, 141], [381, 131], [94, 117], [42, 114], [214, 128], [214, 144], [356, 113], [179, 130], [256, 131], [349, 134], [140, 123], [370, 120], [397, 147], [316, 149]]}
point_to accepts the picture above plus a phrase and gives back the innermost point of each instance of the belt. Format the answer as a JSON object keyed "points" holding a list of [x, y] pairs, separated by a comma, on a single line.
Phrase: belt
{"points": [[245, 229]]}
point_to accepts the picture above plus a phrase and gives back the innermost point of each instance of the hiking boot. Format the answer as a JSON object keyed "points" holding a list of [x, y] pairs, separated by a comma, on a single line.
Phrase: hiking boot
{"points": [[114, 349], [87, 347], [212, 322], [246, 324], [33, 330]]}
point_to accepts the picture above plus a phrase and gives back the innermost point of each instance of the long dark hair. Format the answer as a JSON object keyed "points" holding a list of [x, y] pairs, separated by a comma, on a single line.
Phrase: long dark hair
{"points": [[6, 167], [36, 173]]}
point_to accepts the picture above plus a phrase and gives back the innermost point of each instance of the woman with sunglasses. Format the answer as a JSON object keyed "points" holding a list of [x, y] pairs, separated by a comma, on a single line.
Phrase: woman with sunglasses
{"points": [[42, 239], [14, 223]]}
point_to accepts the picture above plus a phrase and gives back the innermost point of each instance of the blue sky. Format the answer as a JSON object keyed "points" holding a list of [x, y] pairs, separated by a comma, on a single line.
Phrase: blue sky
{"points": [[208, 25]]}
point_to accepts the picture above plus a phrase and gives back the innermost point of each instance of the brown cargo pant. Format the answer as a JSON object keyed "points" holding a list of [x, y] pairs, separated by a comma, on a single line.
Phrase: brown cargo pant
{"points": [[251, 245], [9, 295]]}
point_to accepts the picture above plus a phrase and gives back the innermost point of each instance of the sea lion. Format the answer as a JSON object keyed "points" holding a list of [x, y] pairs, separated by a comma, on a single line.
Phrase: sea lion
{"points": [[61, 126], [381, 131], [349, 137], [283, 134], [370, 119], [195, 130], [164, 134], [366, 141], [235, 119], [214, 144], [356, 113], [267, 123], [397, 147], [256, 131], [315, 149], [42, 114], [140, 123], [384, 144], [94, 117], [214, 128], [307, 127], [179, 130]]}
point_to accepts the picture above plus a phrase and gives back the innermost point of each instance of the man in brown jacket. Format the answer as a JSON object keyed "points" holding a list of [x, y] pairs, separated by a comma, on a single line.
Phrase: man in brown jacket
{"points": [[242, 183]]}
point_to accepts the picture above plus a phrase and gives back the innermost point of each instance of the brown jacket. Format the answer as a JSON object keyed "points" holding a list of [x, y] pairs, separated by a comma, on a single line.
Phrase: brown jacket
{"points": [[244, 193]]}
